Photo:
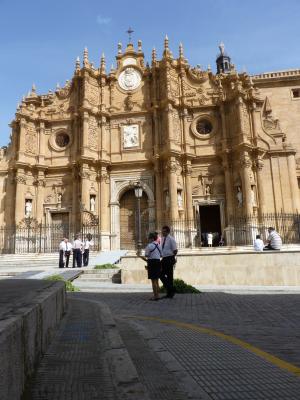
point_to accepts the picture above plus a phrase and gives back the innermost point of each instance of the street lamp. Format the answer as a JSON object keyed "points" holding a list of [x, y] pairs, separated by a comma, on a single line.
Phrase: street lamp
{"points": [[138, 191]]}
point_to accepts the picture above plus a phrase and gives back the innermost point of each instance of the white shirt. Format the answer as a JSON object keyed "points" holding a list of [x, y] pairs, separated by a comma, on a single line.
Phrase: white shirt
{"points": [[62, 245], [77, 244], [87, 244], [275, 240], [258, 245], [69, 246], [153, 251], [168, 245], [209, 238]]}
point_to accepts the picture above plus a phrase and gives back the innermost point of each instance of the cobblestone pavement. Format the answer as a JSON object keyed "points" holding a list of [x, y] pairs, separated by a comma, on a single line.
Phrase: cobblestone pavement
{"points": [[176, 362], [74, 367]]}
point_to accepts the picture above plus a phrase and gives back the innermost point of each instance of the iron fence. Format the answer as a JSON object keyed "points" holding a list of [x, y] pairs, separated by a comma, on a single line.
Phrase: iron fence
{"points": [[239, 230]]}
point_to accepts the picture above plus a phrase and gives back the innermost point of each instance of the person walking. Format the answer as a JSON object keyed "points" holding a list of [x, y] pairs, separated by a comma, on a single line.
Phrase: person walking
{"points": [[153, 254], [274, 240], [86, 249], [169, 251], [67, 252], [62, 249], [209, 239], [77, 252]]}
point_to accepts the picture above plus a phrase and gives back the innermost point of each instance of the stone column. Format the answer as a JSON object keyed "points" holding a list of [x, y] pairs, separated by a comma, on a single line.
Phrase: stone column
{"points": [[158, 191], [172, 169], [259, 164], [245, 164], [85, 187], [85, 132], [22, 134], [42, 143], [293, 182], [105, 208], [75, 197], [188, 191], [104, 144], [228, 187], [40, 193], [186, 131], [20, 197]]}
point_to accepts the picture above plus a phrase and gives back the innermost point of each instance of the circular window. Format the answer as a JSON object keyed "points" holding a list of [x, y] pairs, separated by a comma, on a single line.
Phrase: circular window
{"points": [[62, 139], [204, 127]]}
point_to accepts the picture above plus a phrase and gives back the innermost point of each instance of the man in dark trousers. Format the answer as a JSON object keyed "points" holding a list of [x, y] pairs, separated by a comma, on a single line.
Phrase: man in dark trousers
{"points": [[77, 252], [169, 251]]}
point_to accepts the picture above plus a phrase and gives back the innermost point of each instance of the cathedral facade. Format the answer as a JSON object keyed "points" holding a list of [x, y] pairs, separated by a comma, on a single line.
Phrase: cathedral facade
{"points": [[204, 147]]}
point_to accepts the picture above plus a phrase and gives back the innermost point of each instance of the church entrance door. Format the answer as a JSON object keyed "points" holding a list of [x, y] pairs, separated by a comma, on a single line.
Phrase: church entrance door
{"points": [[128, 220], [210, 221]]}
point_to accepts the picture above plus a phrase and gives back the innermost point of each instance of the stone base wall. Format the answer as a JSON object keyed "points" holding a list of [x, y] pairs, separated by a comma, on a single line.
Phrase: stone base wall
{"points": [[249, 269], [26, 329]]}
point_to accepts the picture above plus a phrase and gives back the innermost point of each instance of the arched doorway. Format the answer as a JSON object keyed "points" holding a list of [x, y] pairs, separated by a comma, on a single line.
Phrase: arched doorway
{"points": [[128, 220]]}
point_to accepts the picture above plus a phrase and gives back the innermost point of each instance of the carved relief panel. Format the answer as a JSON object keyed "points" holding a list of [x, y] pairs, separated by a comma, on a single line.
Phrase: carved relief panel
{"points": [[30, 139], [93, 133]]}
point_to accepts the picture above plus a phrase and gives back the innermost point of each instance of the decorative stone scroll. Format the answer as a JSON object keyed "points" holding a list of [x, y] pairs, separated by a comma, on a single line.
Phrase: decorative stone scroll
{"points": [[93, 134], [30, 139]]}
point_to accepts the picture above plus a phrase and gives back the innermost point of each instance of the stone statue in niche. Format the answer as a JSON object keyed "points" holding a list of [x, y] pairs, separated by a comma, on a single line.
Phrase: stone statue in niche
{"points": [[239, 196], [207, 190], [28, 207], [253, 198], [130, 136], [59, 197], [92, 203], [179, 200], [167, 200]]}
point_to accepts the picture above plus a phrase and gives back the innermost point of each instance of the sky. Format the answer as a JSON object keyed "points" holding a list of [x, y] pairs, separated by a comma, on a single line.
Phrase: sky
{"points": [[40, 39]]}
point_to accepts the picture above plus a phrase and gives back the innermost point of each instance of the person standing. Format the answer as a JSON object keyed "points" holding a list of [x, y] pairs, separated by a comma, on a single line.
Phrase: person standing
{"points": [[169, 251], [258, 244], [68, 252], [153, 254], [209, 239], [62, 249], [274, 240], [86, 249], [77, 252]]}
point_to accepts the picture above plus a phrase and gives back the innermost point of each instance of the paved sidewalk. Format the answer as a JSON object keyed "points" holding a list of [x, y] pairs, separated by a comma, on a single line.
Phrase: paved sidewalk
{"points": [[207, 346]]}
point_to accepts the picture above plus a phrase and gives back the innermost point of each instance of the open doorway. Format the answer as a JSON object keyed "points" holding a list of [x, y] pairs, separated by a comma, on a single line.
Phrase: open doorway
{"points": [[210, 221]]}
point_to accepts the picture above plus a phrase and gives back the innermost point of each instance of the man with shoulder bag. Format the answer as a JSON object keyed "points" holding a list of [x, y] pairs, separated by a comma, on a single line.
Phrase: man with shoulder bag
{"points": [[169, 251]]}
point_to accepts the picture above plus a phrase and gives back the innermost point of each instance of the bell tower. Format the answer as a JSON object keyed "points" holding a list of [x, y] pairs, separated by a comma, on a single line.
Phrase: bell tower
{"points": [[223, 61]]}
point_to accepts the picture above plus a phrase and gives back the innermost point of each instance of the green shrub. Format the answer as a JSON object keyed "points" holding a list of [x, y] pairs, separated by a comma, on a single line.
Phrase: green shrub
{"points": [[69, 285], [181, 287], [105, 266]]}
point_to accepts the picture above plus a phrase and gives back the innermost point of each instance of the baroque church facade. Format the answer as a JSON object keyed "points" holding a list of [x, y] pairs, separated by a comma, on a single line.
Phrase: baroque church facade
{"points": [[204, 147]]}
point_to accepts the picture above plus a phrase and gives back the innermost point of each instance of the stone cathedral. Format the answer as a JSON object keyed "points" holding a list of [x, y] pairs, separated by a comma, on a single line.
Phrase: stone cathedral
{"points": [[203, 146]]}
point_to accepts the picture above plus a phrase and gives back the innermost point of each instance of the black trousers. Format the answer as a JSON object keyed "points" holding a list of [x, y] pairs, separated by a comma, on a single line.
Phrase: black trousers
{"points": [[167, 271], [85, 257], [61, 259], [77, 257], [67, 257]]}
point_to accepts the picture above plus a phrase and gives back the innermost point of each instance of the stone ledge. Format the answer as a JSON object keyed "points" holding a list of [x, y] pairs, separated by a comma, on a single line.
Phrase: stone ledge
{"points": [[29, 314]]}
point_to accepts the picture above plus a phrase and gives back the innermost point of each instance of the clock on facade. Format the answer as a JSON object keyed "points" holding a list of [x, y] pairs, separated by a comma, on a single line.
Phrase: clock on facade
{"points": [[129, 79]]}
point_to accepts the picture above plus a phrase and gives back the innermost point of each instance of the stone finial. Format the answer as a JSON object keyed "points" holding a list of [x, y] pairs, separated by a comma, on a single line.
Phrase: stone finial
{"points": [[103, 64], [119, 48], [139, 46], [209, 68], [154, 55], [57, 86], [166, 43], [181, 50], [77, 64], [85, 57], [33, 89], [112, 69], [23, 97], [222, 48]]}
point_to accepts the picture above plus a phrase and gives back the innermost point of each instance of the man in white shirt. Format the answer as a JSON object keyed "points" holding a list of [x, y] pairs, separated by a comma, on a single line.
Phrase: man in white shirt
{"points": [[169, 251], [274, 240], [86, 249], [68, 252], [258, 244], [77, 251], [62, 249]]}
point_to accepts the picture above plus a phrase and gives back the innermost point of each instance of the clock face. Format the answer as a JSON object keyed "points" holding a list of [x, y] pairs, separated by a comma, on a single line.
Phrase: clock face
{"points": [[129, 79]]}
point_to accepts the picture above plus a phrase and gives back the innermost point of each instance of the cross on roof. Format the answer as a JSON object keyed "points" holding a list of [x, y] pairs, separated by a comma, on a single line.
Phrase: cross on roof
{"points": [[130, 31]]}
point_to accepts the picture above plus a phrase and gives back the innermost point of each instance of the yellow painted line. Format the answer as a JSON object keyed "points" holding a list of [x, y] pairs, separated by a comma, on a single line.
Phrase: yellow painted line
{"points": [[266, 356]]}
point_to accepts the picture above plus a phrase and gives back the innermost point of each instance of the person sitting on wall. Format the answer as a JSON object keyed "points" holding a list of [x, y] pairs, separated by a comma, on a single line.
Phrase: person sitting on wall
{"points": [[274, 240], [258, 244]]}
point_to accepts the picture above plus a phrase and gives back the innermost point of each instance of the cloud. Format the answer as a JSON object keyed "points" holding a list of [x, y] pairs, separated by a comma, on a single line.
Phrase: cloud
{"points": [[103, 20]]}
